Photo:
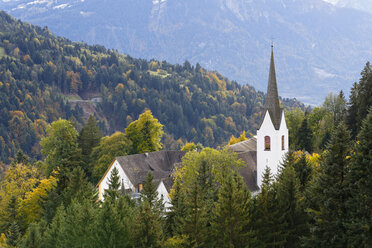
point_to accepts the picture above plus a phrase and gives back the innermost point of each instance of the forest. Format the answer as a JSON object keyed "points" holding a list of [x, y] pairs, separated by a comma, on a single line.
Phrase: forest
{"points": [[53, 156], [44, 77]]}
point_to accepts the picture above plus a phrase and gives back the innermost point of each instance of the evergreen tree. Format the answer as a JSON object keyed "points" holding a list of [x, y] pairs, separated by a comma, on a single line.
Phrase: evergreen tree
{"points": [[268, 221], [89, 137], [34, 237], [14, 235], [232, 215], [360, 100], [112, 193], [360, 177], [74, 226], [148, 227], [196, 221], [303, 172], [352, 111], [330, 193], [114, 223], [290, 207], [78, 186], [176, 212], [149, 193], [305, 136]]}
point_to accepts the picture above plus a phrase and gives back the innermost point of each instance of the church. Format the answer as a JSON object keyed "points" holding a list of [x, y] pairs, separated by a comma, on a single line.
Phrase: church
{"points": [[266, 149], [271, 142]]}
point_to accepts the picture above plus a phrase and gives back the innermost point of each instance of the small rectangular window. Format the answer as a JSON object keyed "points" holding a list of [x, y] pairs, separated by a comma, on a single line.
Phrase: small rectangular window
{"points": [[267, 143], [283, 146]]}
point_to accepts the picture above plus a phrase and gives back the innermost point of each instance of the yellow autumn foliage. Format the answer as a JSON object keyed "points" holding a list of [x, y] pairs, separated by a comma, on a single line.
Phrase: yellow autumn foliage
{"points": [[30, 206]]}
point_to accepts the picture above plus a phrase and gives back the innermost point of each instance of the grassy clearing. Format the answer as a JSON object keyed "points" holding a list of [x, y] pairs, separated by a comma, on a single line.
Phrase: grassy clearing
{"points": [[70, 97], [159, 73]]}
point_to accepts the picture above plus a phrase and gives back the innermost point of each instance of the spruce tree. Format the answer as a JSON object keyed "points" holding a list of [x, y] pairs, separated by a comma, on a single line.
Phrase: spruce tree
{"points": [[303, 172], [177, 211], [232, 214], [14, 235], [149, 193], [330, 193], [196, 220], [268, 221], [148, 227], [34, 235], [78, 186], [113, 225], [112, 193], [360, 100], [89, 137], [305, 137], [360, 177], [290, 207]]}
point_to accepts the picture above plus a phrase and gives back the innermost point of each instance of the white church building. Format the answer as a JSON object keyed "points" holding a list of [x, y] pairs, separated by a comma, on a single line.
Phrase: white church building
{"points": [[271, 142]]}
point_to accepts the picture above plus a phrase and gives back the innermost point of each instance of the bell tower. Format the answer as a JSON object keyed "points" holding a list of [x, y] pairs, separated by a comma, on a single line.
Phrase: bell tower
{"points": [[272, 136]]}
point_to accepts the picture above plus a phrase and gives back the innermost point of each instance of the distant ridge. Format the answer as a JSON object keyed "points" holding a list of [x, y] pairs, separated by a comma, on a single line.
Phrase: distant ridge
{"points": [[319, 47]]}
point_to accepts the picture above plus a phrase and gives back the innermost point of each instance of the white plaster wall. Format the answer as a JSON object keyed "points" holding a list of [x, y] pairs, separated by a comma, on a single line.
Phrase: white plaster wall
{"points": [[275, 156], [123, 178], [162, 191]]}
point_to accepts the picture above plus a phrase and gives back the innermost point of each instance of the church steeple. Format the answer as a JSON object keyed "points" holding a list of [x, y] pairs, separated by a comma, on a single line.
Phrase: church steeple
{"points": [[272, 97]]}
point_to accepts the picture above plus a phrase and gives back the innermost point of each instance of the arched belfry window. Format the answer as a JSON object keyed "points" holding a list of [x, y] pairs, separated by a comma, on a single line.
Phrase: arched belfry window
{"points": [[283, 146], [267, 143]]}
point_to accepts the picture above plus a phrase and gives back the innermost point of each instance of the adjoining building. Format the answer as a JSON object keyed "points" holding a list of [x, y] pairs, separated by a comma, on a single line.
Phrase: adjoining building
{"points": [[133, 170]]}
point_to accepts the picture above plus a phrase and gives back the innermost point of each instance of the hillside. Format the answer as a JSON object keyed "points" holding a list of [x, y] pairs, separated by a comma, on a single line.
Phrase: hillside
{"points": [[320, 47], [44, 77]]}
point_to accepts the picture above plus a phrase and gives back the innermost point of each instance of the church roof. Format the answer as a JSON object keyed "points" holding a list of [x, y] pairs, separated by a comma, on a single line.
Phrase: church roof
{"points": [[272, 98], [247, 151], [160, 163], [245, 146]]}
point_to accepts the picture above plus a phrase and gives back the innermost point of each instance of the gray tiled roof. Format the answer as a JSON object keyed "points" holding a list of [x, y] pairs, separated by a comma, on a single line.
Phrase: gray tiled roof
{"points": [[272, 97], [159, 163], [245, 146], [247, 151]]}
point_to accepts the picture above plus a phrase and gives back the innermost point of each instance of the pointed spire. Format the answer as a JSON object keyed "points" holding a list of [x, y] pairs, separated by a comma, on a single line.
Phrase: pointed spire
{"points": [[272, 97]]}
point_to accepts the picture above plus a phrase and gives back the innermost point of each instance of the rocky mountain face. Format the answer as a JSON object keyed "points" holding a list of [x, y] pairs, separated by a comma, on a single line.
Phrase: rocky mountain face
{"points": [[318, 47], [363, 5]]}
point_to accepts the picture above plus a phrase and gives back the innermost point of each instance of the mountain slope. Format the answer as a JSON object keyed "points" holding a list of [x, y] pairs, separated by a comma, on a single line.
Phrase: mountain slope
{"points": [[319, 47], [44, 77]]}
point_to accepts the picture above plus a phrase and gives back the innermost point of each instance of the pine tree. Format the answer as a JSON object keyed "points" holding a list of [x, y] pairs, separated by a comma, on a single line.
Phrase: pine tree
{"points": [[149, 193], [89, 137], [114, 224], [352, 111], [330, 193], [75, 226], [34, 235], [290, 207], [78, 187], [112, 193], [148, 227], [232, 214], [303, 172], [177, 211], [360, 178], [196, 220], [14, 234], [305, 137], [360, 100], [268, 221]]}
